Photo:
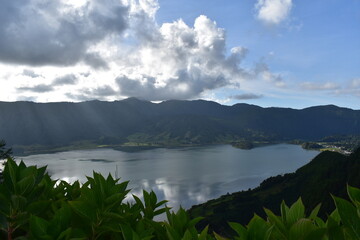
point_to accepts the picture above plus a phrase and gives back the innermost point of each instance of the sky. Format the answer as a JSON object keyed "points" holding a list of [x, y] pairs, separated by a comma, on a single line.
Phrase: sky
{"points": [[271, 53]]}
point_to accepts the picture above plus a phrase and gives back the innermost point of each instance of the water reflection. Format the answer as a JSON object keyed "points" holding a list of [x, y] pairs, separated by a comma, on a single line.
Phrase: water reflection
{"points": [[184, 176]]}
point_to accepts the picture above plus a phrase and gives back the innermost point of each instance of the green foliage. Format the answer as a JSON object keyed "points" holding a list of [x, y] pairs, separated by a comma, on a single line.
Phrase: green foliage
{"points": [[292, 224], [35, 207], [32, 206]]}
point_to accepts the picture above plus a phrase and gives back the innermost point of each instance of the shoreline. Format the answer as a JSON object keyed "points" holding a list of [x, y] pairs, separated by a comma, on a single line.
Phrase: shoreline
{"points": [[22, 151], [30, 150]]}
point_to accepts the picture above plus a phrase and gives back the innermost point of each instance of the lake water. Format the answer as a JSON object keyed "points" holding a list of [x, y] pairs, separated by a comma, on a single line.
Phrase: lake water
{"points": [[184, 176]]}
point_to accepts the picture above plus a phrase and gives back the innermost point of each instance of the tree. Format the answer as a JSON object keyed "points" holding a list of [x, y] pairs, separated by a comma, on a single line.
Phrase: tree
{"points": [[4, 152]]}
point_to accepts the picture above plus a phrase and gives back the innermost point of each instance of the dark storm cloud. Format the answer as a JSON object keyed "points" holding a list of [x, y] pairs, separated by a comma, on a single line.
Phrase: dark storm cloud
{"points": [[100, 93], [69, 79], [183, 87], [104, 91], [47, 33], [41, 88], [95, 61], [246, 96]]}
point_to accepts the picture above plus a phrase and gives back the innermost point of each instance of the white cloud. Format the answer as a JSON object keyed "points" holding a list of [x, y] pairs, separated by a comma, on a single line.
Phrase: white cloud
{"points": [[312, 86], [113, 49], [262, 70], [182, 63], [273, 12], [355, 83], [351, 88]]}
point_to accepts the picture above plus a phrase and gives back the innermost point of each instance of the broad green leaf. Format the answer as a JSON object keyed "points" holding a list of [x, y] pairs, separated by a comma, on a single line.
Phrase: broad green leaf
{"points": [[171, 233], [331, 222], [296, 212], [317, 234], [258, 228], [38, 227], [38, 207], [279, 225], [187, 236], [218, 237], [284, 211], [66, 234], [319, 222], [204, 233], [315, 211], [115, 216], [194, 221], [18, 202], [336, 233], [84, 210], [301, 229], [336, 216], [62, 217], [160, 211], [27, 171], [354, 193], [9, 174], [127, 232], [161, 203], [349, 217], [114, 199], [239, 229], [138, 202]]}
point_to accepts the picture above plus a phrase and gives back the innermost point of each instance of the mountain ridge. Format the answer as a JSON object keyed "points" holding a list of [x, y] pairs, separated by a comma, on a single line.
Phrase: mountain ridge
{"points": [[169, 122]]}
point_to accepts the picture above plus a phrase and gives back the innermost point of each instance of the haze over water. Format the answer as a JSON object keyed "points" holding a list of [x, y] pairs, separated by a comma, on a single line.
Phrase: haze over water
{"points": [[184, 176]]}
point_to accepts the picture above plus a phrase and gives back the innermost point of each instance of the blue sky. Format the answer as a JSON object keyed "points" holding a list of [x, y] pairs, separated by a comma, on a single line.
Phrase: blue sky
{"points": [[281, 53], [318, 42]]}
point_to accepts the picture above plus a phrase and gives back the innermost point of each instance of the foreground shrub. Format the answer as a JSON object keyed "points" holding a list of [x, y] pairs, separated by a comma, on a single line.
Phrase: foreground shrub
{"points": [[34, 206], [342, 224]]}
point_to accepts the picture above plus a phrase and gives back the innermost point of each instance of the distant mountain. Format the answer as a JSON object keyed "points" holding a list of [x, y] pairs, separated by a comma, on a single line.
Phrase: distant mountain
{"points": [[328, 173], [169, 122]]}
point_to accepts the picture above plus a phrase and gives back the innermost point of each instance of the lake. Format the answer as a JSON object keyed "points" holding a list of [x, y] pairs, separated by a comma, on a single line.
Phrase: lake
{"points": [[184, 176]]}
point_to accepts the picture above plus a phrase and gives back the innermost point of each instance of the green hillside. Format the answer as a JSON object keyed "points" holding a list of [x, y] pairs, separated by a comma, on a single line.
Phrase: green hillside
{"points": [[326, 174]]}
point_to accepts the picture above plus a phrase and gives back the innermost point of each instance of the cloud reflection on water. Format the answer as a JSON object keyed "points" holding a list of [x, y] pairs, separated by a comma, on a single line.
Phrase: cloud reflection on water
{"points": [[182, 176]]}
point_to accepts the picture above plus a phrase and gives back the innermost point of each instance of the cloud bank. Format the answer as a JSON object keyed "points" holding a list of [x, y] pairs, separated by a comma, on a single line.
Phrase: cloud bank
{"points": [[319, 86], [246, 96], [36, 32], [111, 49]]}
